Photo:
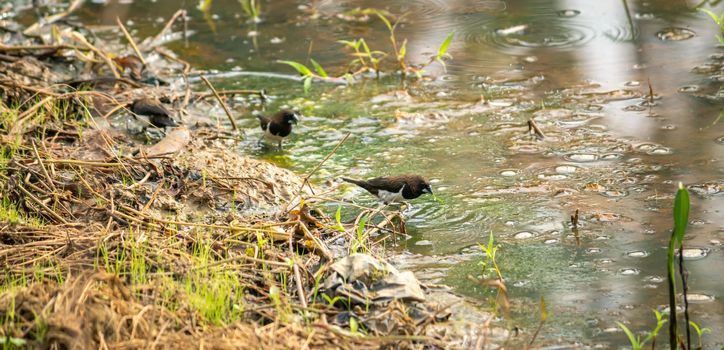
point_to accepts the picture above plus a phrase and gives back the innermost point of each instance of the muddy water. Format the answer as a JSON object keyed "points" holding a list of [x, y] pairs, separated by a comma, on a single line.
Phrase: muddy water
{"points": [[581, 68]]}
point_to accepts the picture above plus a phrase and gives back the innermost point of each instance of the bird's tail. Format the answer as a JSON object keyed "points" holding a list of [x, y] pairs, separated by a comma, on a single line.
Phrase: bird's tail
{"points": [[353, 181]]}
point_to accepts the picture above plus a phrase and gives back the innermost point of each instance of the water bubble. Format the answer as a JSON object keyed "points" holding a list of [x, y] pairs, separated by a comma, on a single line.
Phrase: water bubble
{"points": [[706, 189], [644, 15], [614, 193], [520, 283], [720, 140], [699, 298], [550, 241], [423, 243], [552, 177], [689, 88], [632, 83], [654, 279], [706, 68], [675, 34], [606, 217], [646, 147], [593, 250], [593, 108], [695, 253], [628, 271], [612, 330], [634, 108], [524, 235], [539, 32], [637, 254], [581, 157], [566, 169], [611, 156], [568, 13], [508, 173], [668, 127], [660, 151]]}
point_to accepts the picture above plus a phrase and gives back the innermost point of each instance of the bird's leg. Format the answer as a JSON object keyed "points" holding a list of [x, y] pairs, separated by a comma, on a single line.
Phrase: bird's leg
{"points": [[280, 145]]}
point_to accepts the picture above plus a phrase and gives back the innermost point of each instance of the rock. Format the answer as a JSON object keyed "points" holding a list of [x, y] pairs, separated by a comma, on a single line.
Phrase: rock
{"points": [[366, 280]]}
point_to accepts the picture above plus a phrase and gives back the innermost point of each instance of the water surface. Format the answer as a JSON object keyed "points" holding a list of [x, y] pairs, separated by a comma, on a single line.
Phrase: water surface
{"points": [[582, 69]]}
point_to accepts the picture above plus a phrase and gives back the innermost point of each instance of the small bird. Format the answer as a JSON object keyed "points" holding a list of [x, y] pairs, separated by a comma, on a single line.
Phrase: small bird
{"points": [[278, 126], [157, 114], [394, 189]]}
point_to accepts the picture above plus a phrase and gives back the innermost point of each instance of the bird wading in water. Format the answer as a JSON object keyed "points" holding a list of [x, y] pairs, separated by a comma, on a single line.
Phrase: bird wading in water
{"points": [[394, 189], [278, 126]]}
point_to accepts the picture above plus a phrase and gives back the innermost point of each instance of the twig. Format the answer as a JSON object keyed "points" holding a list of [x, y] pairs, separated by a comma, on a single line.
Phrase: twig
{"points": [[261, 93], [40, 203], [98, 52], [574, 220], [4, 48], [154, 195], [130, 41], [317, 242], [42, 167], [297, 275], [218, 98], [319, 165], [83, 162], [532, 126], [50, 19], [165, 28]]}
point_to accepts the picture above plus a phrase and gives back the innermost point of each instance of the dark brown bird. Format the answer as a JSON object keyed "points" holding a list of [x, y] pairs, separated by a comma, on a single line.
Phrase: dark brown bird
{"points": [[157, 114], [278, 126], [394, 189]]}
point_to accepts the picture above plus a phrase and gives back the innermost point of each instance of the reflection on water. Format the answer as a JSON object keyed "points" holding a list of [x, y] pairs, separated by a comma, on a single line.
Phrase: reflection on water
{"points": [[581, 68]]}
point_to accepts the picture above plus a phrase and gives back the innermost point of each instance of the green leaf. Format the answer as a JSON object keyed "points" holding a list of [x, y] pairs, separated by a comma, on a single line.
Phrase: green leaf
{"points": [[307, 83], [367, 48], [318, 68], [384, 19], [353, 44], [403, 51], [302, 69], [353, 325], [631, 337], [712, 15], [361, 226], [681, 214], [338, 219], [443, 47]]}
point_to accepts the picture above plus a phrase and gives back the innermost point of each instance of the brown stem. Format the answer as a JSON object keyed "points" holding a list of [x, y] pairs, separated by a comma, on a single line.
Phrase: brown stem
{"points": [[223, 105]]}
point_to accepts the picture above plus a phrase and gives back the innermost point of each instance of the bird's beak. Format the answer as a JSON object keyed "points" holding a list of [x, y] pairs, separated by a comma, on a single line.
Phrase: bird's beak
{"points": [[427, 190], [295, 119]]}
